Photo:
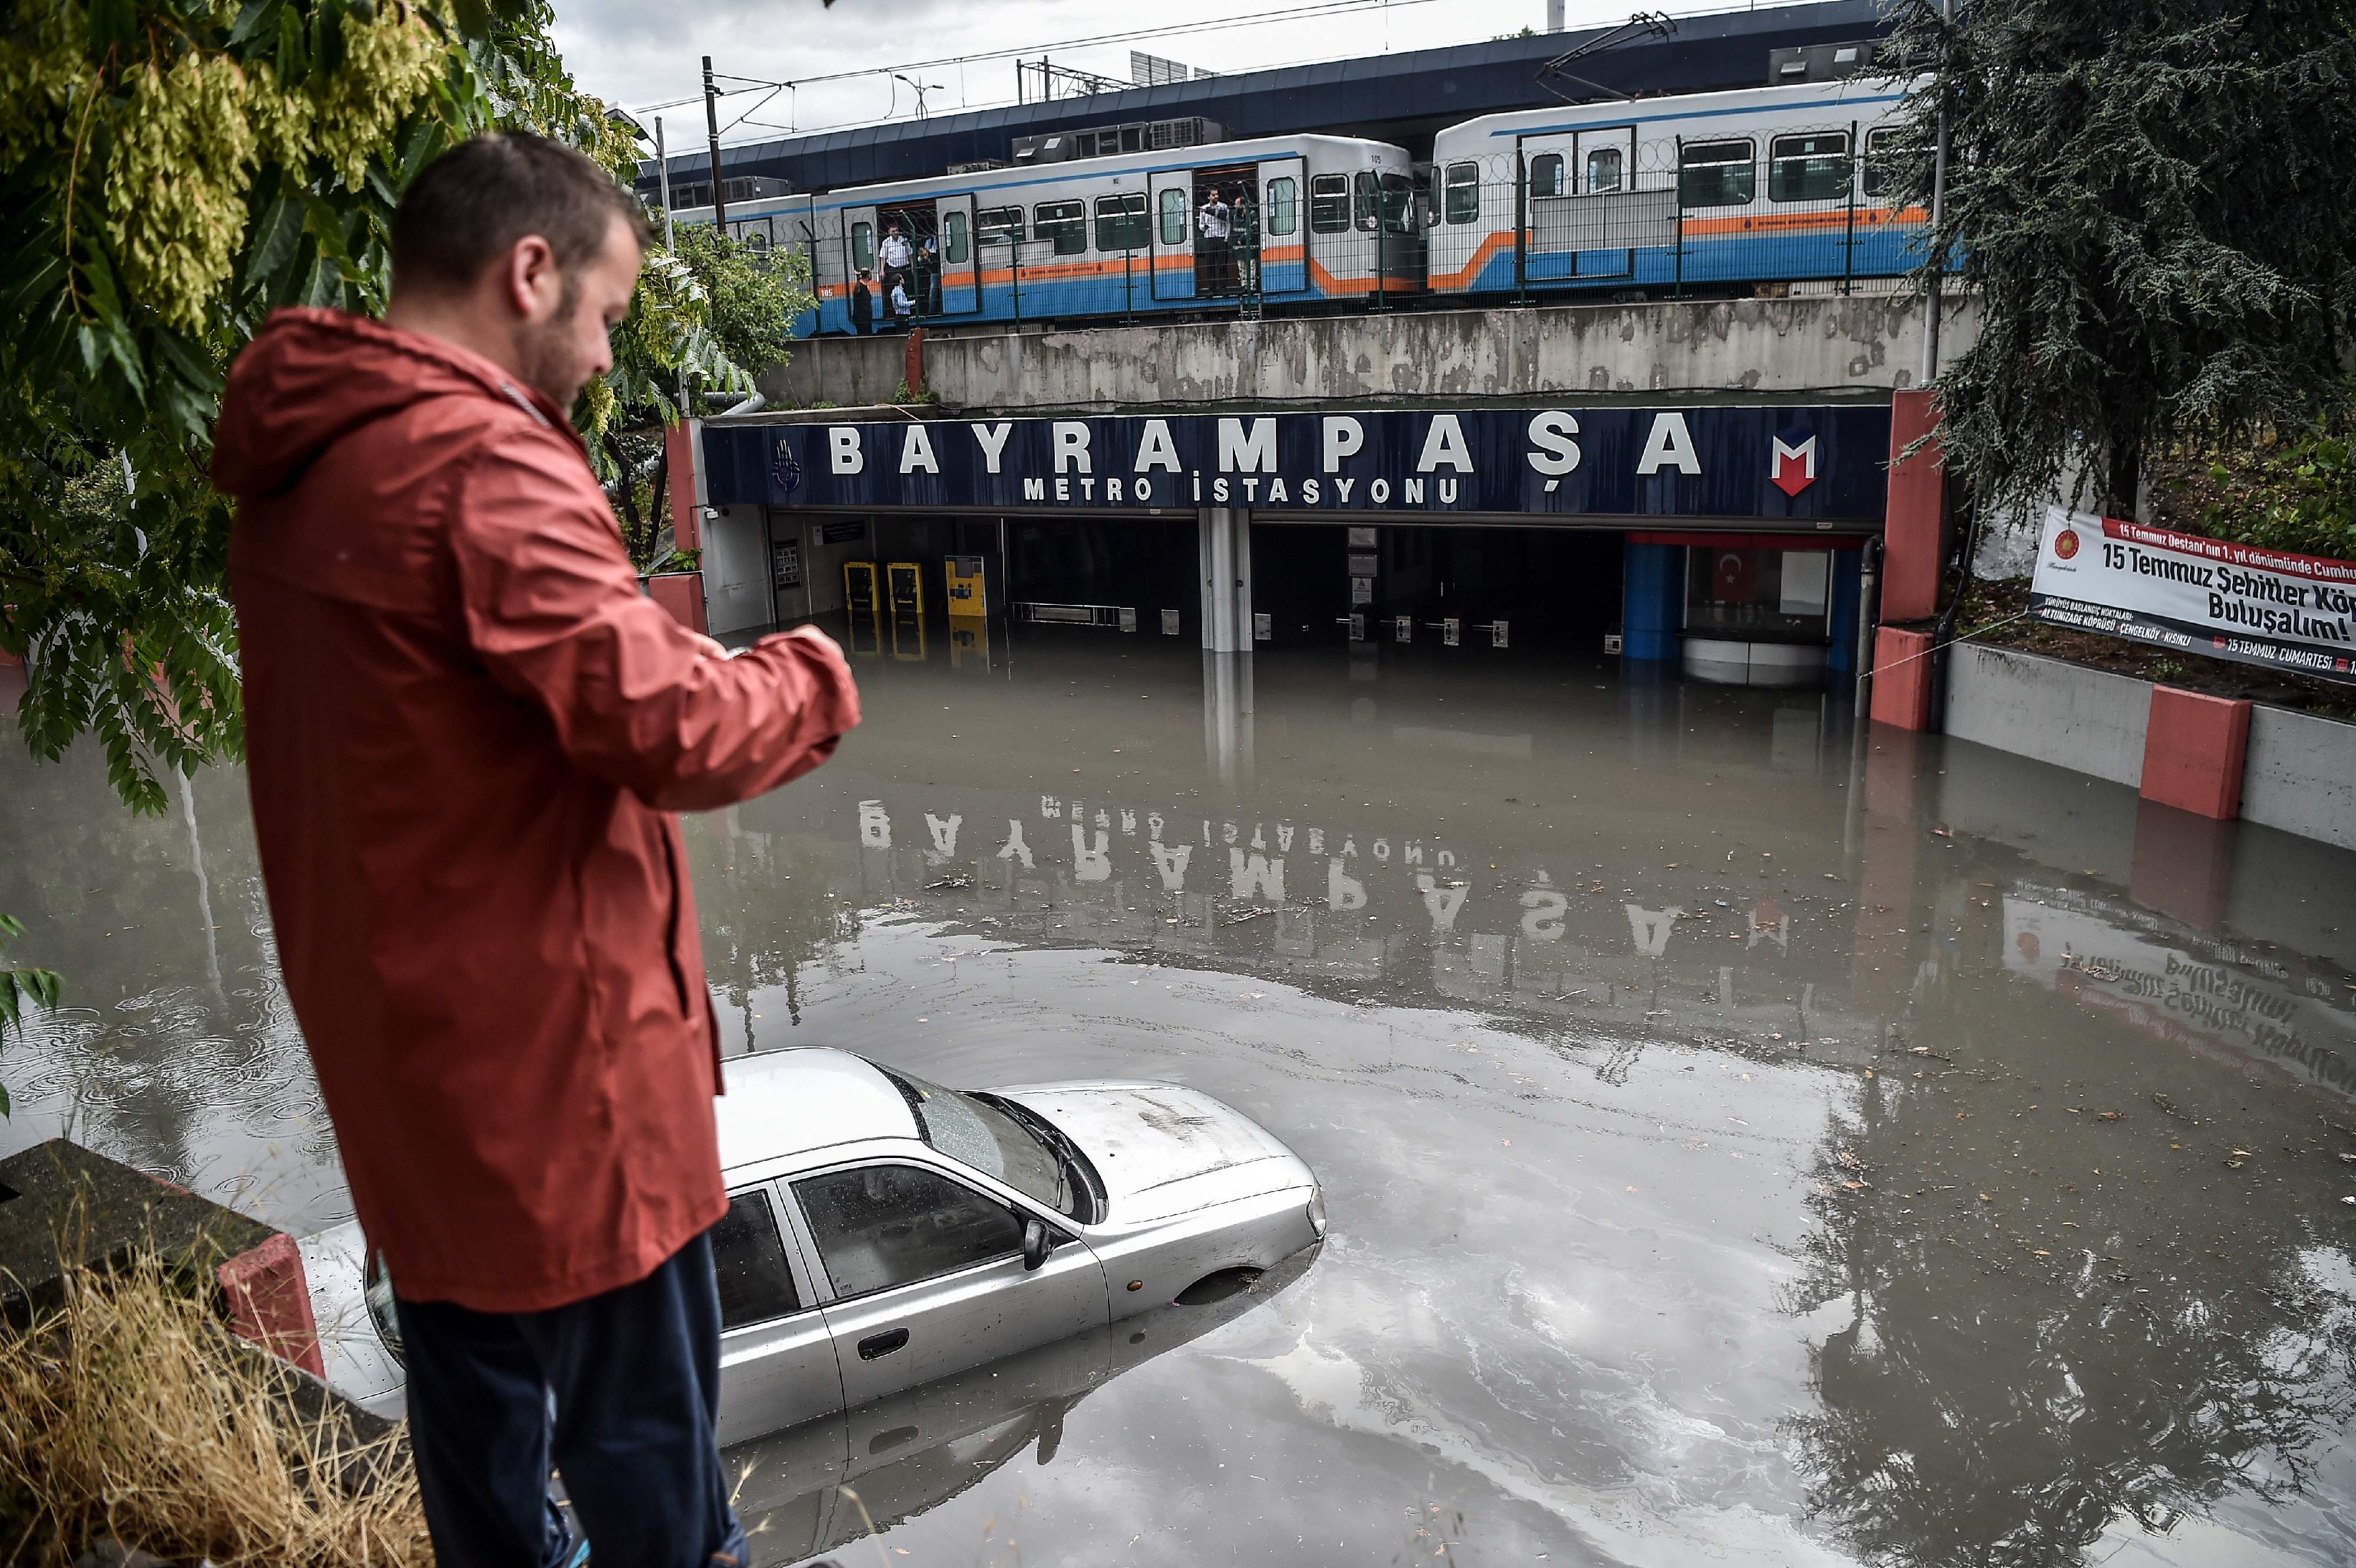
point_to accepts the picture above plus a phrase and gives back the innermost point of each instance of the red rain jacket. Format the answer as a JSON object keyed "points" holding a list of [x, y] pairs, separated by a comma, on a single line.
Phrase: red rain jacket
{"points": [[466, 732]]}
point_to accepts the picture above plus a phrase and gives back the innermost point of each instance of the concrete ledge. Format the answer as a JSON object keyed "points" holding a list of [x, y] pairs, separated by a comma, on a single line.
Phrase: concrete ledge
{"points": [[62, 1206], [2300, 775], [1867, 343], [2090, 721]]}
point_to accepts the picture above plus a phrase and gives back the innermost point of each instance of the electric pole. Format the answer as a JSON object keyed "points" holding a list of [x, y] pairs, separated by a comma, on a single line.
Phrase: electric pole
{"points": [[1930, 302], [711, 126], [662, 170]]}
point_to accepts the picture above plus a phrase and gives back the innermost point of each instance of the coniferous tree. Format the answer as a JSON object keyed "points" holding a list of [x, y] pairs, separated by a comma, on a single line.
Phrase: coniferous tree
{"points": [[2154, 203]]}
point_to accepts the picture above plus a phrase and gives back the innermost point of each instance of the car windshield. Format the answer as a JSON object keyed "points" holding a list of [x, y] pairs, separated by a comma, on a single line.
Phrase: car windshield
{"points": [[972, 1132]]}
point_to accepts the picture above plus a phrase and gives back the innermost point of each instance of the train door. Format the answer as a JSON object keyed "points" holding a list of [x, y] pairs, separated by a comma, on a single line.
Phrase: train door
{"points": [[1283, 256], [1603, 170], [1548, 175], [821, 236], [859, 252], [1174, 234], [960, 286]]}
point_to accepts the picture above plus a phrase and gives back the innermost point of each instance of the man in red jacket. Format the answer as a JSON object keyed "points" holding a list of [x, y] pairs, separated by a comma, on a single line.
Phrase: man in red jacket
{"points": [[468, 731]]}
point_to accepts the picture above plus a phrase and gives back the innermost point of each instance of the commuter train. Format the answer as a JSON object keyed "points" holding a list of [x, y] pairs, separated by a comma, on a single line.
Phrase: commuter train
{"points": [[1119, 236], [1668, 191], [1702, 191]]}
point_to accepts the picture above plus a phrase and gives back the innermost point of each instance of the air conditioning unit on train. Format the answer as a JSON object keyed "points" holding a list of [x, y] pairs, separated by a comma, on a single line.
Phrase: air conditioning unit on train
{"points": [[1818, 62], [1192, 132], [1105, 141], [688, 195]]}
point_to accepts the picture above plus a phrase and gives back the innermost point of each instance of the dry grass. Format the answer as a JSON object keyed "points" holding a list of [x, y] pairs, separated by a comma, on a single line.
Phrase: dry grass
{"points": [[129, 1411]]}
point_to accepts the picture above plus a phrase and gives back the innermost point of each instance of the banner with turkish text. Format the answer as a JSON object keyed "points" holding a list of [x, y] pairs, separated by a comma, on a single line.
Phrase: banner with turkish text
{"points": [[2213, 597]]}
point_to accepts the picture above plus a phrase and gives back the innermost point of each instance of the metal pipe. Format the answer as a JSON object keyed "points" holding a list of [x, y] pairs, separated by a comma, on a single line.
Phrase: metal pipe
{"points": [[711, 128], [1868, 586]]}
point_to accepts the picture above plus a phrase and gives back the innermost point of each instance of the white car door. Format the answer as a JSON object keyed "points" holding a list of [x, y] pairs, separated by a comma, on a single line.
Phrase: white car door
{"points": [[927, 1275], [777, 1356]]}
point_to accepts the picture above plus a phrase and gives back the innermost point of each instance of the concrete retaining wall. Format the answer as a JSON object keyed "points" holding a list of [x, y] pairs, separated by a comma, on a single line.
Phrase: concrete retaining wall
{"points": [[1810, 345], [2087, 720], [2302, 775], [2297, 775]]}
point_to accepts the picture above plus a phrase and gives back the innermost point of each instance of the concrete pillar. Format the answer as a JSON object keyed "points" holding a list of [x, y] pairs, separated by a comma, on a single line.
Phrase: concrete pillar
{"points": [[1913, 542], [1227, 715], [1902, 678], [1225, 569], [1653, 600], [2193, 751], [1847, 582], [683, 465]]}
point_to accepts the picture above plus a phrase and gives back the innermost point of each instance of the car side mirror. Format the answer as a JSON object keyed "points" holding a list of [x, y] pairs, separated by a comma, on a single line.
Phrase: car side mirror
{"points": [[1037, 1243]]}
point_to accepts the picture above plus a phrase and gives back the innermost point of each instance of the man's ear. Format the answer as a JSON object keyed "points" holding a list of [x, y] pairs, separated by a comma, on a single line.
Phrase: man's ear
{"points": [[530, 278]]}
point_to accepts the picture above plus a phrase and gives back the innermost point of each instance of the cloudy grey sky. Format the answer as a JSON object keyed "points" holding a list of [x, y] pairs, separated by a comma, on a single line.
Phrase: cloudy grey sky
{"points": [[637, 53]]}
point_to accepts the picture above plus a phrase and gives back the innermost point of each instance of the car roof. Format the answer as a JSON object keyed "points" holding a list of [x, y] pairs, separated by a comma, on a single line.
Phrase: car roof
{"points": [[789, 1102]]}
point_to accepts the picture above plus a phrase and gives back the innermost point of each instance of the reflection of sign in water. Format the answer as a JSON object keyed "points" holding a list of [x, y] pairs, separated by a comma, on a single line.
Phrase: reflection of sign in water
{"points": [[2178, 986], [788, 554], [2206, 595]]}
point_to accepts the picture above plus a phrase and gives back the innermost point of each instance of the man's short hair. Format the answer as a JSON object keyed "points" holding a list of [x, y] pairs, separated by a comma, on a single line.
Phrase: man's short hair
{"points": [[473, 203]]}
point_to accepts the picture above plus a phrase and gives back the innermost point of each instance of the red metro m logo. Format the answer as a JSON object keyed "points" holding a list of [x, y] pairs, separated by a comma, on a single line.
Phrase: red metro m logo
{"points": [[1793, 465]]}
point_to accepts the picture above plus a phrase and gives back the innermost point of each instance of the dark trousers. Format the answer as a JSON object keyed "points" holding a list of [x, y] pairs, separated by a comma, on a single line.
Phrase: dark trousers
{"points": [[634, 1376]]}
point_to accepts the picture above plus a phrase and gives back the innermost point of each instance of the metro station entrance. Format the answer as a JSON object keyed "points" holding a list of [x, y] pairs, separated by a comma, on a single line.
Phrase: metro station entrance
{"points": [[1447, 585]]}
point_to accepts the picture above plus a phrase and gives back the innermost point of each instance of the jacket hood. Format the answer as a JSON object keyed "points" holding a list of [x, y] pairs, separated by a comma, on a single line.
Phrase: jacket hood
{"points": [[312, 377]]}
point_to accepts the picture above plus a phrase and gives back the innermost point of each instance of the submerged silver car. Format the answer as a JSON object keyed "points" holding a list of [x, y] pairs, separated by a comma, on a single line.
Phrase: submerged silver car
{"points": [[883, 1232]]}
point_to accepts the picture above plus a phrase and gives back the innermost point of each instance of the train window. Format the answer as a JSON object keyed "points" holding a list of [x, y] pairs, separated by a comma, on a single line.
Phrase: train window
{"points": [[1545, 175], [954, 232], [1120, 222], [1715, 174], [1065, 222], [1283, 207], [1329, 204], [999, 225], [1398, 203], [1885, 161], [1461, 198], [1811, 167], [863, 247], [1365, 193], [1606, 170], [1173, 216]]}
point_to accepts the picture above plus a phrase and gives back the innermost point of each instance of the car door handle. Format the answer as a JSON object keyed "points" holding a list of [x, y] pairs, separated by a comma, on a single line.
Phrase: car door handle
{"points": [[877, 1346]]}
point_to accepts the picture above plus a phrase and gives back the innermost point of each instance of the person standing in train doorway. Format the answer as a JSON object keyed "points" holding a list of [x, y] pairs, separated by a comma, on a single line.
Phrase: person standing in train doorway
{"points": [[1246, 226], [1216, 255], [928, 275], [468, 737], [896, 254], [862, 306]]}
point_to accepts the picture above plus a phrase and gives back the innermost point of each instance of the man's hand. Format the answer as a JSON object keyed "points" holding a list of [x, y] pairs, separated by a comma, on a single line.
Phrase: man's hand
{"points": [[711, 647]]}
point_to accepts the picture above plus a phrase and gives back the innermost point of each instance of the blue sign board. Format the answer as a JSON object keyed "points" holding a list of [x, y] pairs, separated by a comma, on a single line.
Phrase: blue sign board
{"points": [[1819, 464]]}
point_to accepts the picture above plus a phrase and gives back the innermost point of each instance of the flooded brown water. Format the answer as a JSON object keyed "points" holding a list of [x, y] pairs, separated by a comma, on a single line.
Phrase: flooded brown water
{"points": [[1745, 1141]]}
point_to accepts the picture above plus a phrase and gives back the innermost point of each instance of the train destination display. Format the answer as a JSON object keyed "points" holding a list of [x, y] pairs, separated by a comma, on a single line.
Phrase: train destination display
{"points": [[2202, 596], [1819, 464]]}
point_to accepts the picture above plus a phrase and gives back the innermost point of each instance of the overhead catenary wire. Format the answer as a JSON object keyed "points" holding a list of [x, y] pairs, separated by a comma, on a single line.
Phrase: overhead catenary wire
{"points": [[1213, 24]]}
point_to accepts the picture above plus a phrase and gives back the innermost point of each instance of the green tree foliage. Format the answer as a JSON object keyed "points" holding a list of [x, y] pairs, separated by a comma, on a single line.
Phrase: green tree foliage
{"points": [[170, 171], [712, 307], [18, 987], [2156, 206], [2295, 492]]}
